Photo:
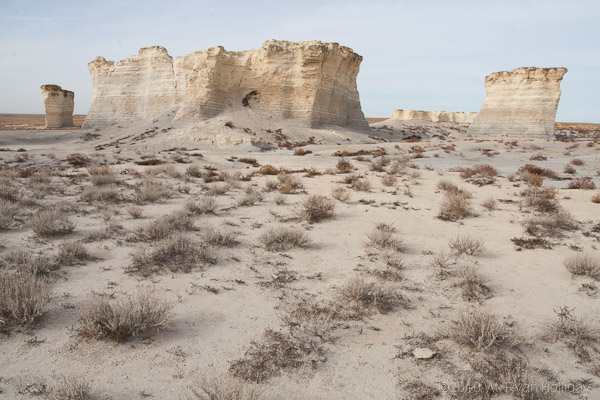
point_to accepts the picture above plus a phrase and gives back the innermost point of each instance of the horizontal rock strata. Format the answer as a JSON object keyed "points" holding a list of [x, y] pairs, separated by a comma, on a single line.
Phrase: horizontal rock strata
{"points": [[433, 116], [58, 106], [520, 102], [311, 83]]}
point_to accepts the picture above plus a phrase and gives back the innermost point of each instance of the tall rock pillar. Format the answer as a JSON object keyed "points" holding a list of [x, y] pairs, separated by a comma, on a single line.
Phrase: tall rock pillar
{"points": [[58, 106]]}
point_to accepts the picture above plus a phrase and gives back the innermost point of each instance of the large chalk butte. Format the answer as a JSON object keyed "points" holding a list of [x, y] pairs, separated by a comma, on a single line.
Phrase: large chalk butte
{"points": [[58, 106], [521, 102], [309, 83]]}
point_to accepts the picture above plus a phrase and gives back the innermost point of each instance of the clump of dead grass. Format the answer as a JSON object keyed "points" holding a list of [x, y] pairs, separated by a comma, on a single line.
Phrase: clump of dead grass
{"points": [[455, 206], [316, 208], [51, 222], [583, 264], [575, 332], [219, 237], [23, 299], [204, 205], [475, 287], [383, 237], [341, 194], [553, 225], [223, 387], [479, 329], [174, 253], [464, 244], [165, 226], [283, 238], [363, 295], [120, 320]]}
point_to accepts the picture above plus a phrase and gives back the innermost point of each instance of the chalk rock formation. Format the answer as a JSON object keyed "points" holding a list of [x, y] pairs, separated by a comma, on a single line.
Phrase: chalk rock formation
{"points": [[433, 116], [311, 83], [58, 106], [520, 102]]}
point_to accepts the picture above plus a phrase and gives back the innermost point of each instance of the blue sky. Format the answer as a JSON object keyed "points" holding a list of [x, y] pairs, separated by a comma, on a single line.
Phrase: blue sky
{"points": [[428, 54]]}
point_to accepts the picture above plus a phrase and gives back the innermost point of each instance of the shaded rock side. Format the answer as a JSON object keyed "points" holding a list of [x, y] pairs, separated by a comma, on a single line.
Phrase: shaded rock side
{"points": [[58, 106], [520, 102], [311, 83], [433, 116]]}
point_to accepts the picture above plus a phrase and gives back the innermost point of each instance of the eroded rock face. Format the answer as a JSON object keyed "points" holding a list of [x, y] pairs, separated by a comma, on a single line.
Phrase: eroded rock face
{"points": [[433, 116], [58, 106], [312, 83], [520, 102]]}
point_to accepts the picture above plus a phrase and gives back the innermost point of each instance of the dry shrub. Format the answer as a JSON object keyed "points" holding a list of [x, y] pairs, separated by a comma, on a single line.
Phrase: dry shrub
{"points": [[455, 206], [120, 320], [204, 205], [268, 170], [8, 211], [287, 189], [363, 296], [583, 264], [554, 225], [389, 180], [174, 253], [271, 185], [577, 161], [165, 226], [219, 237], [106, 193], [302, 152], [531, 179], [135, 212], [450, 187], [290, 180], [101, 175], [419, 390], [535, 170], [574, 331], [282, 238], [474, 285], [250, 197], [77, 159], [483, 174], [538, 157], [279, 199], [542, 200], [479, 329], [464, 244], [316, 207], [169, 170], [361, 185], [502, 375], [276, 354], [582, 183], [379, 163], [383, 237], [9, 193], [344, 166], [71, 253], [52, 222], [340, 193], [218, 189], [23, 298], [194, 171], [398, 166], [490, 204], [151, 191], [71, 387], [569, 169], [223, 388]]}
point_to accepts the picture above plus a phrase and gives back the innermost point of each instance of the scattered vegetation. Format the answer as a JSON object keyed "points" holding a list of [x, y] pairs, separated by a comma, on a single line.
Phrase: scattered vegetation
{"points": [[455, 206], [575, 332], [363, 295], [464, 244], [553, 225], [344, 166], [582, 183], [383, 237], [480, 175], [223, 388], [204, 205], [340, 193], [473, 284]]}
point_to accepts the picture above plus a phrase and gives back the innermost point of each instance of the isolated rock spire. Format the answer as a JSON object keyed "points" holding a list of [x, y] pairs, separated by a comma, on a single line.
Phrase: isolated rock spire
{"points": [[520, 102], [58, 106], [311, 83]]}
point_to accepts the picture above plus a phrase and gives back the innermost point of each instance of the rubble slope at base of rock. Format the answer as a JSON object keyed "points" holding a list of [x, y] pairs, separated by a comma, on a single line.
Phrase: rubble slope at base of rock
{"points": [[310, 83], [520, 102], [58, 106], [433, 116]]}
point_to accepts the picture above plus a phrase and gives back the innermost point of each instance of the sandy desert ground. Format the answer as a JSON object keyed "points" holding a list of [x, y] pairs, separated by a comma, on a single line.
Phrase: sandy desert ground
{"points": [[426, 264]]}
